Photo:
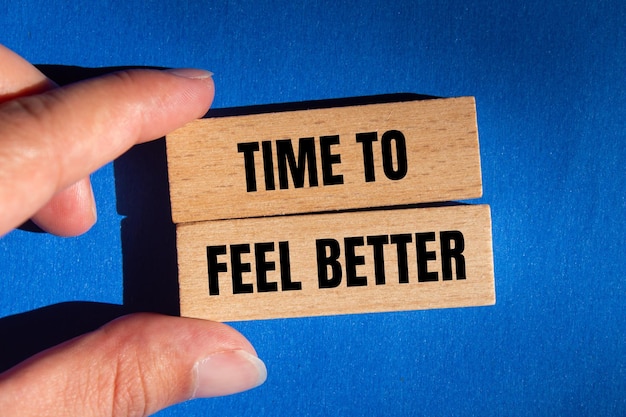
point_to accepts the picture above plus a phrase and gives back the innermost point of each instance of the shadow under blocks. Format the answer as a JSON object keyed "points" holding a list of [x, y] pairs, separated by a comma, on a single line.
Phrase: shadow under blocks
{"points": [[148, 235]]}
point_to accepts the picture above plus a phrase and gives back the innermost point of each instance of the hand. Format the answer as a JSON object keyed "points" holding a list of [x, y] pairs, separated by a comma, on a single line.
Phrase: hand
{"points": [[51, 139]]}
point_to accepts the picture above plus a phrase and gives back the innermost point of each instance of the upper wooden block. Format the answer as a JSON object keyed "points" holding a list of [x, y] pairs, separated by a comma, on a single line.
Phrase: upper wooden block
{"points": [[324, 159]]}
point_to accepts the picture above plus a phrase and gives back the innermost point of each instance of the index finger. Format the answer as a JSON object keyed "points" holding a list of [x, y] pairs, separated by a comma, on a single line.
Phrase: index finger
{"points": [[51, 140]]}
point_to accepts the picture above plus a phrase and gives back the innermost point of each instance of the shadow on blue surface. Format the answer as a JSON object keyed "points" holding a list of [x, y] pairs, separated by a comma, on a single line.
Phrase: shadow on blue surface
{"points": [[148, 235], [26, 334]]}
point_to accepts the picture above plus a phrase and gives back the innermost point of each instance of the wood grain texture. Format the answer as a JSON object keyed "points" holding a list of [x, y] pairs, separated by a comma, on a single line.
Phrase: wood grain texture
{"points": [[472, 287], [207, 172]]}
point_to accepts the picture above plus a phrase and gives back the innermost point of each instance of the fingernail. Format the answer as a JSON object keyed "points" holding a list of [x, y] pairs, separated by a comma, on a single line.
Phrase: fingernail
{"points": [[194, 73], [228, 372]]}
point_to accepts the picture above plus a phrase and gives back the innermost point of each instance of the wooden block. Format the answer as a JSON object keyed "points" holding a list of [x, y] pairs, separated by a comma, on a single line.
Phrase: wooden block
{"points": [[336, 263], [324, 160]]}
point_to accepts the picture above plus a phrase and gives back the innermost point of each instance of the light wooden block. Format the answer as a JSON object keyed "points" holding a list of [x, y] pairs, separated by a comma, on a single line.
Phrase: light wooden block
{"points": [[285, 266], [434, 157]]}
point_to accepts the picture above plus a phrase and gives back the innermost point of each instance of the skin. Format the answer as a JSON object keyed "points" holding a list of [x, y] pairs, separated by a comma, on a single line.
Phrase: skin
{"points": [[51, 139]]}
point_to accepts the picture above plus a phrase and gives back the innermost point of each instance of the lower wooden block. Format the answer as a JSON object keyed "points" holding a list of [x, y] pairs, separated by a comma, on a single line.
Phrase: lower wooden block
{"points": [[339, 263]]}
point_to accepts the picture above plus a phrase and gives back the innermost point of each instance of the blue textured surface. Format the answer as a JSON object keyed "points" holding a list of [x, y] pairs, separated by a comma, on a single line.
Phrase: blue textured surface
{"points": [[549, 81]]}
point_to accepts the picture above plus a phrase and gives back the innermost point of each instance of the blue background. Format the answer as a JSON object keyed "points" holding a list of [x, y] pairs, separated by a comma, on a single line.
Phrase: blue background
{"points": [[549, 81]]}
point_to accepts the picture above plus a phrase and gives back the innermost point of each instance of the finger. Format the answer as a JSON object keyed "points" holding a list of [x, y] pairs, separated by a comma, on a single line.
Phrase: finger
{"points": [[72, 211], [19, 78], [50, 141], [134, 366]]}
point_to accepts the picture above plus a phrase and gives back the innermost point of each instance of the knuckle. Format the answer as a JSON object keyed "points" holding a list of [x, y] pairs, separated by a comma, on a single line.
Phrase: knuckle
{"points": [[125, 386], [130, 389], [28, 134], [141, 380]]}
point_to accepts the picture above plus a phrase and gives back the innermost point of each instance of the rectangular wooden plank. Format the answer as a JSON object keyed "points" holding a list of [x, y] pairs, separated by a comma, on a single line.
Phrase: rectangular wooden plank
{"points": [[324, 159], [336, 263]]}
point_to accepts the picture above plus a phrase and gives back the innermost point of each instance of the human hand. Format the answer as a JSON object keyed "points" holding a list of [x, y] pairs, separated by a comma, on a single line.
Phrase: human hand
{"points": [[51, 139]]}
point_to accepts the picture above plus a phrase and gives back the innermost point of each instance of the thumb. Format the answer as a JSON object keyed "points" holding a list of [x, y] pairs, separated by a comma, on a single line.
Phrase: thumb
{"points": [[133, 366]]}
